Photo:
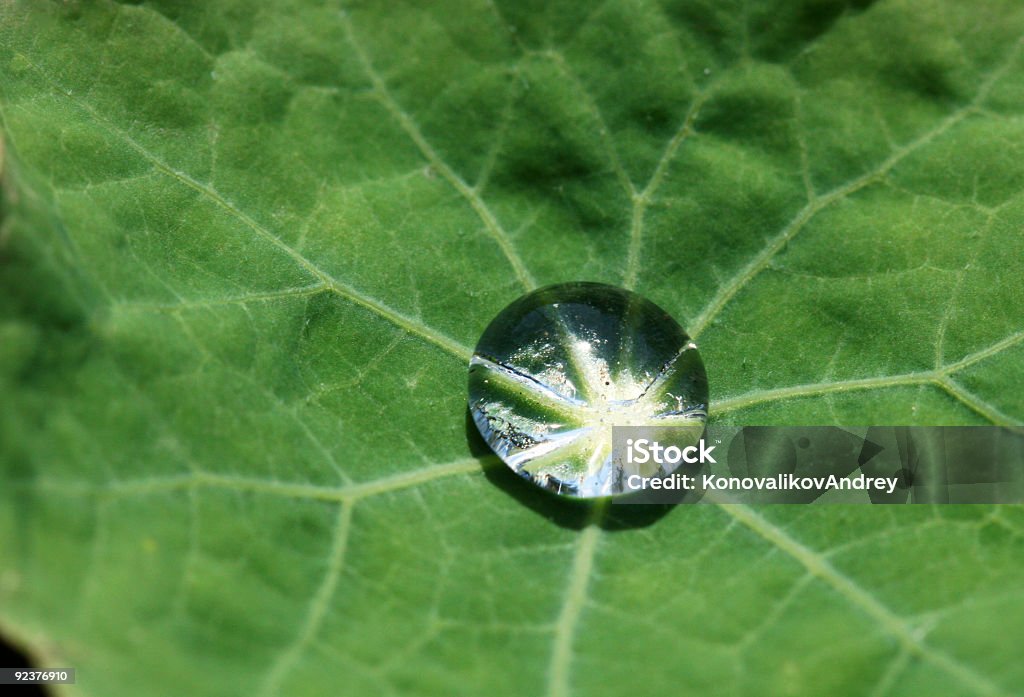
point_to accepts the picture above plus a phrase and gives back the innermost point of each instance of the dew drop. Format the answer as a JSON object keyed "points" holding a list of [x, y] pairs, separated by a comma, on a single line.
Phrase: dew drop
{"points": [[560, 366]]}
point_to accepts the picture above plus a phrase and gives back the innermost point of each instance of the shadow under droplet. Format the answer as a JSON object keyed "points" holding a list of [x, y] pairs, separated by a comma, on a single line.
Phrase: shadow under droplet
{"points": [[11, 656], [569, 513]]}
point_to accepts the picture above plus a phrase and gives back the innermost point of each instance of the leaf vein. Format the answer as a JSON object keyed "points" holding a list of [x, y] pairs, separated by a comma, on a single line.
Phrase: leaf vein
{"points": [[642, 199], [405, 121], [572, 605], [817, 565], [285, 489], [366, 301], [761, 260], [318, 606]]}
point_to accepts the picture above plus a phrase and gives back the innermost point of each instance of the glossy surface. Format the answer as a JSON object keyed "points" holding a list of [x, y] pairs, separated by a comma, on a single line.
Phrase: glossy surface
{"points": [[558, 368]]}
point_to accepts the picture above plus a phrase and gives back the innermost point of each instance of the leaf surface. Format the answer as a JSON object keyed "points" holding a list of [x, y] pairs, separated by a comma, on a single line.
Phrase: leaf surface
{"points": [[246, 251]]}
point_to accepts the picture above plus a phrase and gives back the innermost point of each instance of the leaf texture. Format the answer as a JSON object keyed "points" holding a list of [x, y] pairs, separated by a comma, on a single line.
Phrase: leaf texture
{"points": [[246, 251]]}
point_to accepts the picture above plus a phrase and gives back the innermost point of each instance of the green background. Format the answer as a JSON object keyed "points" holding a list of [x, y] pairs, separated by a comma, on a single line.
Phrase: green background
{"points": [[246, 250]]}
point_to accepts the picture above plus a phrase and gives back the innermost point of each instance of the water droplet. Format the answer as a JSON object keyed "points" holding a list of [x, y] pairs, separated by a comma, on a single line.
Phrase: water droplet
{"points": [[559, 367]]}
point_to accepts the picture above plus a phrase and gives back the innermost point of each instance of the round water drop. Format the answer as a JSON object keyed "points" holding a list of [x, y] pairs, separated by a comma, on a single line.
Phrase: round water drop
{"points": [[557, 369]]}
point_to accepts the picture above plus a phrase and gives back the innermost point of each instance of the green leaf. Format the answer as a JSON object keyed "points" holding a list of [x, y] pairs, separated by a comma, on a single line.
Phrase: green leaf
{"points": [[247, 247]]}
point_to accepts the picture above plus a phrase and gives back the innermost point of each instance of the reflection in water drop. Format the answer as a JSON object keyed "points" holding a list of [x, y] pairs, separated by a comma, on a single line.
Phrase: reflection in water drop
{"points": [[559, 367]]}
